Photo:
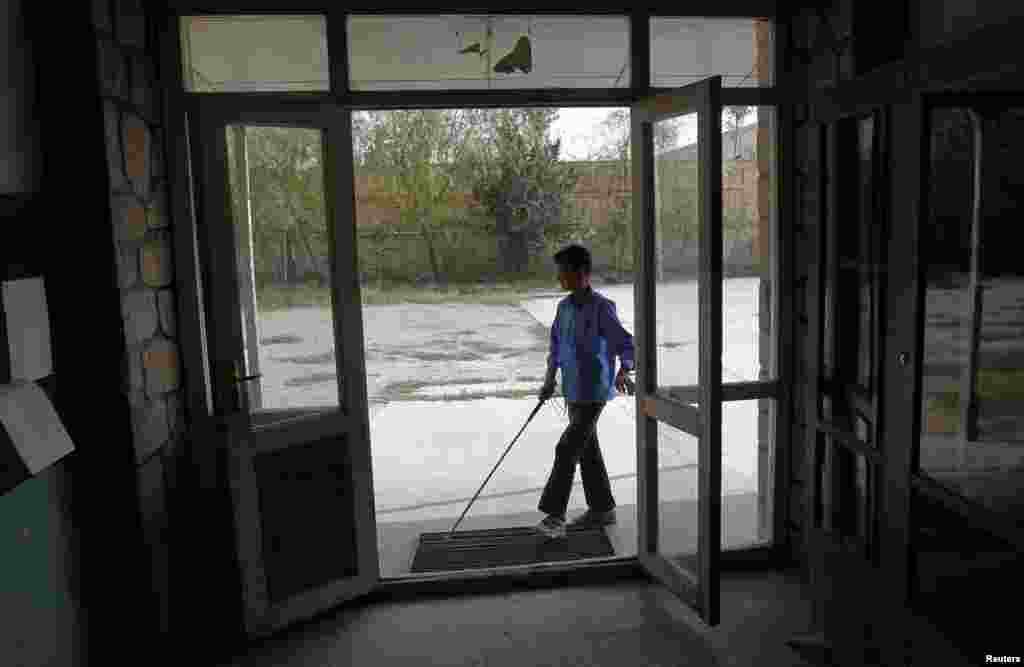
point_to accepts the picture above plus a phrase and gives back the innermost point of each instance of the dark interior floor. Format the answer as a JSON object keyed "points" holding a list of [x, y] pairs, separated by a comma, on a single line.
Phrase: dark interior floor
{"points": [[633, 622]]}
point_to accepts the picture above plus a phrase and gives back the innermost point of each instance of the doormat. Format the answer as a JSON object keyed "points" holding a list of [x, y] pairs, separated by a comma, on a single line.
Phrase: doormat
{"points": [[474, 549]]}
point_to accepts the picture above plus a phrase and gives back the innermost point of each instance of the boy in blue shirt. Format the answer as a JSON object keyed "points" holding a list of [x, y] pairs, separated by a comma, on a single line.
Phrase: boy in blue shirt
{"points": [[586, 336]]}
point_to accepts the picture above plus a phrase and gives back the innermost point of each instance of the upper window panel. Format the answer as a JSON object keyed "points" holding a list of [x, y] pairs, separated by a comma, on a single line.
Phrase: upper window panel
{"points": [[487, 52], [686, 50], [233, 54]]}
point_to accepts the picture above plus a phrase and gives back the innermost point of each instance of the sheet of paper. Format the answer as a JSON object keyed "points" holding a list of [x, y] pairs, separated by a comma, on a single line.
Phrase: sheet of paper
{"points": [[33, 425], [28, 329]]}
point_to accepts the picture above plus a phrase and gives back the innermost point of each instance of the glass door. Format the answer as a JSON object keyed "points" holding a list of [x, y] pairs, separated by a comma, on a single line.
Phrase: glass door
{"points": [[678, 226], [284, 343]]}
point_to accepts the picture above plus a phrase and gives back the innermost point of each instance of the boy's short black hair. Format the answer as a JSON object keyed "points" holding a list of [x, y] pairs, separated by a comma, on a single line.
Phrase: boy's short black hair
{"points": [[574, 257]]}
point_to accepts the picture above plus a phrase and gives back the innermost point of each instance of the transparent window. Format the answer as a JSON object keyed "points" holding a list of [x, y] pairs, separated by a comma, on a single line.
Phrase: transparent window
{"points": [[946, 249], [677, 249], [685, 50], [748, 224], [748, 431], [284, 268], [487, 52], [972, 429], [748, 247], [254, 53]]}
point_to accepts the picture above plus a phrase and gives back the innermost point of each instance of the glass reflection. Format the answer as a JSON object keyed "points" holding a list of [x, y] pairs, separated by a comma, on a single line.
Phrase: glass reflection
{"points": [[972, 432]]}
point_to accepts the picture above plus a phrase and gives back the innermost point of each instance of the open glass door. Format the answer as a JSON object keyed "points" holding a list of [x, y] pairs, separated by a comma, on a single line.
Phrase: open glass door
{"points": [[284, 339], [677, 167]]}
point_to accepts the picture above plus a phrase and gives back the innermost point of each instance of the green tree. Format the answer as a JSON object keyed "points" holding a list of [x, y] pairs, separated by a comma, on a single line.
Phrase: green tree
{"points": [[421, 151], [286, 197], [614, 144], [732, 120], [514, 170]]}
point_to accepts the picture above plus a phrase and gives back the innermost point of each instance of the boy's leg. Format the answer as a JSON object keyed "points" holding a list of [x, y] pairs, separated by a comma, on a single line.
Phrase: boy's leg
{"points": [[582, 418], [596, 486]]}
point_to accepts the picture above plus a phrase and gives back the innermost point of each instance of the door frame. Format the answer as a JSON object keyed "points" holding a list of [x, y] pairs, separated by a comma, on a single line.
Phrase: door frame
{"points": [[205, 482]]}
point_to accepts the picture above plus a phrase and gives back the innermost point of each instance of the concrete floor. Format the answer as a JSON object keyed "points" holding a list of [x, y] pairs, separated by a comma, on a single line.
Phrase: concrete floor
{"points": [[632, 622]]}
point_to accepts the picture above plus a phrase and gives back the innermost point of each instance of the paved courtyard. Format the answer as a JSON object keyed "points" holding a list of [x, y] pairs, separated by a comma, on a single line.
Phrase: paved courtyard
{"points": [[451, 384]]}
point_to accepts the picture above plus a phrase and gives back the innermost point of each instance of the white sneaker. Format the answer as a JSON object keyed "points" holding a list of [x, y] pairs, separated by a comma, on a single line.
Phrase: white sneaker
{"points": [[591, 518], [552, 527]]}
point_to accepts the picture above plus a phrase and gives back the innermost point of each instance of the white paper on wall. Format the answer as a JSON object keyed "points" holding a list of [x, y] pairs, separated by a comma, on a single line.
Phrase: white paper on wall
{"points": [[33, 425], [28, 329]]}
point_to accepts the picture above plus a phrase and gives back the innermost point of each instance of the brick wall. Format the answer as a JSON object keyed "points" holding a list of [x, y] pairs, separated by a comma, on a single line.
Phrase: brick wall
{"points": [[596, 194], [128, 79]]}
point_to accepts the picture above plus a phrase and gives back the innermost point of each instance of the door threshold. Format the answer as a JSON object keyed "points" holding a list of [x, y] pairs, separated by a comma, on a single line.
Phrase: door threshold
{"points": [[501, 579]]}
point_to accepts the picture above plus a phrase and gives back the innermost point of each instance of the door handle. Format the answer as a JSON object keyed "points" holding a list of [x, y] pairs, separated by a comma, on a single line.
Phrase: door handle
{"points": [[238, 378]]}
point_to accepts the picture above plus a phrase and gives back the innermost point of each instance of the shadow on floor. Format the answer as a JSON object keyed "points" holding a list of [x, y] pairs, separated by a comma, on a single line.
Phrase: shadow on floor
{"points": [[632, 622]]}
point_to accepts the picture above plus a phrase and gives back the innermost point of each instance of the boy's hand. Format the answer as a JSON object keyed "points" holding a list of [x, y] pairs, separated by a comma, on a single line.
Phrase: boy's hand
{"points": [[622, 382]]}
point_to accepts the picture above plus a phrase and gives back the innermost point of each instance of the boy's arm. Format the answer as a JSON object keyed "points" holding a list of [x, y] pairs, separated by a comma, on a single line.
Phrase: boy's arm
{"points": [[549, 377], [620, 341]]}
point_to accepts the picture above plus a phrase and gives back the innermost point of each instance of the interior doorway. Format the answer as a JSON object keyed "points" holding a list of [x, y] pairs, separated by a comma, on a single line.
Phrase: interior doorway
{"points": [[459, 292]]}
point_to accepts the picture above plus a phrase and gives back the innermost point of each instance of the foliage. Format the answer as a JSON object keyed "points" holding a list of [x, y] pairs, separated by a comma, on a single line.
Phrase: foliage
{"points": [[732, 119], [506, 158], [421, 151], [286, 195], [520, 185]]}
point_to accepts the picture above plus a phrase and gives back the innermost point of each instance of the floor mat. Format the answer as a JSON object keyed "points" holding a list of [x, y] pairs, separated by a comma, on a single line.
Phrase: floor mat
{"points": [[473, 549]]}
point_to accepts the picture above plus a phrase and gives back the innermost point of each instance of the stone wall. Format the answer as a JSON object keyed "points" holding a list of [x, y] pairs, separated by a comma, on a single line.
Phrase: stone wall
{"points": [[128, 79]]}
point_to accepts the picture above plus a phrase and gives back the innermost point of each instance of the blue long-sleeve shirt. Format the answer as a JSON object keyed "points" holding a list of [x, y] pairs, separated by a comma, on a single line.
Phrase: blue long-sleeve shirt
{"points": [[586, 336]]}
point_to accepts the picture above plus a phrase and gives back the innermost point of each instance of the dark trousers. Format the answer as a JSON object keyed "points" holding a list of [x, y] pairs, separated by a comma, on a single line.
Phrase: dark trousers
{"points": [[578, 444]]}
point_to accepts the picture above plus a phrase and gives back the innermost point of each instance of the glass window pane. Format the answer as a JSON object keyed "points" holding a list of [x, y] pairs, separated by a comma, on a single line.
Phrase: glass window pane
{"points": [[748, 430], [284, 268], [487, 52], [748, 186], [677, 252], [946, 251], [983, 463], [999, 385], [686, 50], [254, 53], [678, 516]]}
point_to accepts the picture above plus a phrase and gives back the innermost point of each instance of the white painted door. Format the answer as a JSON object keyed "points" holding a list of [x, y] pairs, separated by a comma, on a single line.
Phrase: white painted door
{"points": [[285, 348], [678, 234]]}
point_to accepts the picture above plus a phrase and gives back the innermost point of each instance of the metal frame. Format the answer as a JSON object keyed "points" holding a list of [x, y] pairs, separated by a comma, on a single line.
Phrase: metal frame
{"points": [[190, 106], [696, 9]]}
